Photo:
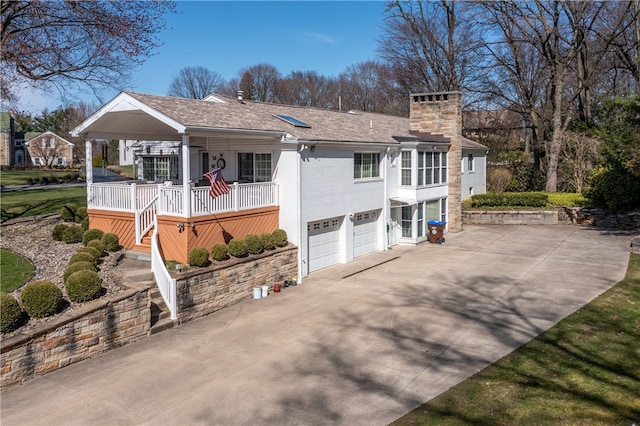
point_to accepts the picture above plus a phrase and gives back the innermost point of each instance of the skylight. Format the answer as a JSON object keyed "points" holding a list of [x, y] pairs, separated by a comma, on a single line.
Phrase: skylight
{"points": [[292, 120]]}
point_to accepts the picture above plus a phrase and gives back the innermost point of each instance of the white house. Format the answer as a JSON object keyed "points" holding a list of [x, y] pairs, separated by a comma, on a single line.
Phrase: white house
{"points": [[341, 184]]}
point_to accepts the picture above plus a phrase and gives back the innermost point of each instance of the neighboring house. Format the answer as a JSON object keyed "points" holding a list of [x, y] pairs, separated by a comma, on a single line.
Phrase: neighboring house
{"points": [[50, 150], [341, 184], [473, 168], [12, 151], [126, 152]]}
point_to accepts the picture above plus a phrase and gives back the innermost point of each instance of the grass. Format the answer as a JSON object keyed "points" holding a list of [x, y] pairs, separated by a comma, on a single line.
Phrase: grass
{"points": [[21, 177], [15, 270], [40, 201], [585, 370]]}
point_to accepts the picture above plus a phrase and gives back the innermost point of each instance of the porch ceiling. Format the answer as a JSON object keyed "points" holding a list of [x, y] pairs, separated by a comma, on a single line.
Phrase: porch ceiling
{"points": [[130, 125]]}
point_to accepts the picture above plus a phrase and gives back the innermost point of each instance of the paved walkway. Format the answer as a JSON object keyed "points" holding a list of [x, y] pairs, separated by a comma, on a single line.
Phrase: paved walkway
{"points": [[360, 350]]}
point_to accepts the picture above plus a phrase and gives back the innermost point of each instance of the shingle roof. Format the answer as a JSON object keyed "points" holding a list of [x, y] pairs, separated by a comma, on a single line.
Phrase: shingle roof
{"points": [[469, 144], [326, 125]]}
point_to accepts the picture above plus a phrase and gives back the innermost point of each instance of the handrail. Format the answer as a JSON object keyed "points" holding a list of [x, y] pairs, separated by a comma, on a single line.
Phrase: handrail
{"points": [[145, 219], [165, 283]]}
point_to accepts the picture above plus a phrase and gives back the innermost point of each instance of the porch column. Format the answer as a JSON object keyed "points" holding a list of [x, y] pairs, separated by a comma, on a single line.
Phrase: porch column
{"points": [[88, 166], [186, 171]]}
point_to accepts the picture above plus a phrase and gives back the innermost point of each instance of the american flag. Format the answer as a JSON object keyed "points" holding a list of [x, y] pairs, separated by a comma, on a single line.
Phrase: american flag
{"points": [[218, 185]]}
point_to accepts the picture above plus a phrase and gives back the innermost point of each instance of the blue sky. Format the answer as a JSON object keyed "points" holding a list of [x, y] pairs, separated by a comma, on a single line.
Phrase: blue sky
{"points": [[225, 36]]}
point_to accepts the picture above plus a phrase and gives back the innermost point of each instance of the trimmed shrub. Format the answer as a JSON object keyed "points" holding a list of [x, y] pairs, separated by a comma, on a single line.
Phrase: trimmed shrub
{"points": [[81, 214], [98, 245], [58, 231], [220, 251], [73, 234], [198, 256], [111, 242], [41, 299], [267, 241], [78, 266], [83, 286], [82, 257], [279, 237], [254, 244], [68, 213], [92, 234], [237, 248], [91, 250], [10, 313], [85, 223], [510, 199]]}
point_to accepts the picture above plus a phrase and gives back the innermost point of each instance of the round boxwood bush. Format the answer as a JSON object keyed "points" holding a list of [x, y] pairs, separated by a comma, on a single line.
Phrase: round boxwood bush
{"points": [[81, 214], [10, 313], [219, 251], [68, 213], [91, 250], [279, 237], [83, 286], [82, 257], [85, 223], [58, 231], [78, 266], [237, 248], [111, 242], [41, 299], [267, 241], [98, 245], [198, 256], [253, 243], [73, 234], [92, 234]]}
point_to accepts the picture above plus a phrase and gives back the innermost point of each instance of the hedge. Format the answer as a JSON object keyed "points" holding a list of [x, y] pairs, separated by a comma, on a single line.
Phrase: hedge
{"points": [[41, 299], [510, 199]]}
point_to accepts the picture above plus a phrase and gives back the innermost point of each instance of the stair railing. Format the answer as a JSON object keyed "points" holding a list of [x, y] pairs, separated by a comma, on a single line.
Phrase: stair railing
{"points": [[145, 219], [165, 283]]}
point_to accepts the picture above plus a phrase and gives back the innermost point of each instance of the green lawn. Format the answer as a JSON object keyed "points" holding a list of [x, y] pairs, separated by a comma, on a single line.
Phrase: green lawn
{"points": [[583, 371], [40, 201], [15, 270], [22, 177]]}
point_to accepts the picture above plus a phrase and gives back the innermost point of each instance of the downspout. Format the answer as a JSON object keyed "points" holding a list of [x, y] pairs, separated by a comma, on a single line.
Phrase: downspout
{"points": [[186, 171], [299, 212], [385, 201]]}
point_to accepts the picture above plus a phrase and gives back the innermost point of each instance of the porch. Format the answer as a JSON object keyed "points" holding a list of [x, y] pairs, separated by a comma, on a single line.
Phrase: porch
{"points": [[132, 210]]}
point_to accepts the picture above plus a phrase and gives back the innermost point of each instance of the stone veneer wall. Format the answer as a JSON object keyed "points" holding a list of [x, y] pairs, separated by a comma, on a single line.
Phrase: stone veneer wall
{"points": [[90, 330], [115, 321], [441, 114], [200, 294]]}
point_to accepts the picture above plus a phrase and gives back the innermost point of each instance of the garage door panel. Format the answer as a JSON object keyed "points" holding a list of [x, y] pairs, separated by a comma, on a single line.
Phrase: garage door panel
{"points": [[366, 233], [324, 243]]}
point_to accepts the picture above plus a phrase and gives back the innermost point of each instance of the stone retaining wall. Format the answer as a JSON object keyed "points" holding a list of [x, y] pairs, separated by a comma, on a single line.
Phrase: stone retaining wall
{"points": [[510, 217], [90, 330], [200, 294], [115, 321]]}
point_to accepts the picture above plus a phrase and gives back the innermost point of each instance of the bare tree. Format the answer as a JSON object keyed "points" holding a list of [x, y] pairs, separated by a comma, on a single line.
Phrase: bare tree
{"points": [[430, 45], [57, 44], [260, 82], [578, 156], [195, 83], [46, 150], [304, 88]]}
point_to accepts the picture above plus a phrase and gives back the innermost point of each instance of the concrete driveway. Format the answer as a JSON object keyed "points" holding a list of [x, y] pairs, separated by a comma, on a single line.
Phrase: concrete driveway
{"points": [[345, 347]]}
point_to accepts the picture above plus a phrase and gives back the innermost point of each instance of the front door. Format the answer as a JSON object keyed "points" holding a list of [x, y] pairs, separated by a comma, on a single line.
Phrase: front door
{"points": [[394, 225]]}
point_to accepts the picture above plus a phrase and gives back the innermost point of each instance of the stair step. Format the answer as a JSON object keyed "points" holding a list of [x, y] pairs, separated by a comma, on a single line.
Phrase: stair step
{"points": [[138, 255], [162, 325]]}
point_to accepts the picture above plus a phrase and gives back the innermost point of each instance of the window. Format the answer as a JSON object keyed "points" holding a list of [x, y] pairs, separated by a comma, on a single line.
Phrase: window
{"points": [[435, 167], [366, 165], [443, 209], [470, 162], [407, 213], [48, 143], [160, 168], [254, 167], [436, 209], [405, 167]]}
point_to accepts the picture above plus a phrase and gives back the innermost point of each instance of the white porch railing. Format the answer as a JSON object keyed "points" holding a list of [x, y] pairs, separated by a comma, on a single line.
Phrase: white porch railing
{"points": [[119, 197], [165, 283], [241, 197]]}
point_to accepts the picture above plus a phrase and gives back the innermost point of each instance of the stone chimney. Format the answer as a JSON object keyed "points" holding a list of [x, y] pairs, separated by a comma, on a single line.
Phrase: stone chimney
{"points": [[441, 114]]}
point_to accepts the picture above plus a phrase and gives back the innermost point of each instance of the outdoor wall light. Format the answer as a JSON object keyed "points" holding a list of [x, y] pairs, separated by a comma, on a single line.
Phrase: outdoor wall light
{"points": [[180, 226], [178, 267], [313, 148], [192, 225]]}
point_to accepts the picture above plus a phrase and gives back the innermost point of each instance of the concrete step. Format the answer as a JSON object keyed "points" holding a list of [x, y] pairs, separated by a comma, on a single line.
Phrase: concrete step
{"points": [[138, 255], [162, 325]]}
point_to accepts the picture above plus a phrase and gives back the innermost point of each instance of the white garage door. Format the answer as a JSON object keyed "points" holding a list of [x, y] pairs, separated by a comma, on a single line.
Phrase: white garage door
{"points": [[365, 233], [324, 243]]}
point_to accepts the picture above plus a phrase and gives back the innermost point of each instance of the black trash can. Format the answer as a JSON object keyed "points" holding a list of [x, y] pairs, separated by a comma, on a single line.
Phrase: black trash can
{"points": [[436, 231]]}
